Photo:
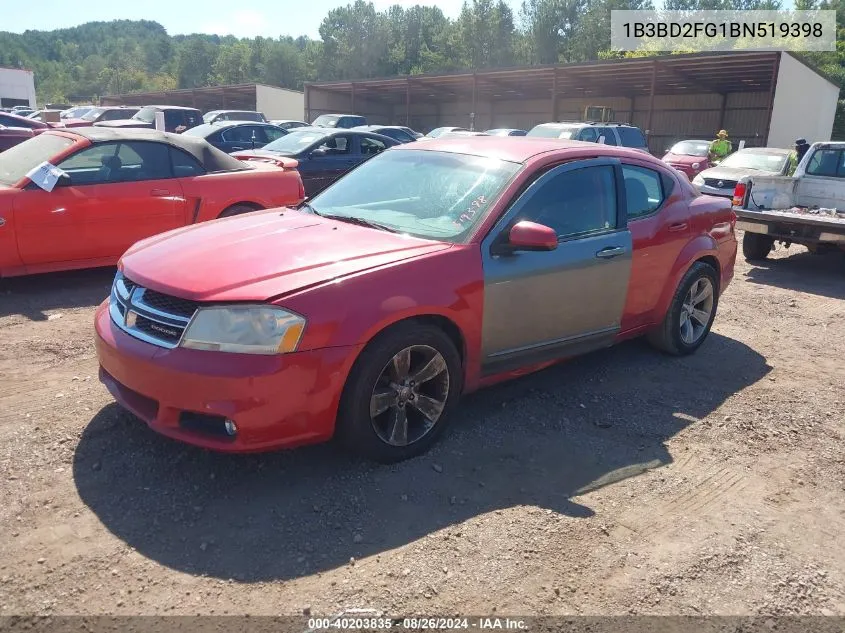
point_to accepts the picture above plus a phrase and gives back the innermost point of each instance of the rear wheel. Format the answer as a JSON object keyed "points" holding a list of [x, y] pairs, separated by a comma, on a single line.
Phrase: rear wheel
{"points": [[690, 316], [237, 209], [400, 393], [756, 246]]}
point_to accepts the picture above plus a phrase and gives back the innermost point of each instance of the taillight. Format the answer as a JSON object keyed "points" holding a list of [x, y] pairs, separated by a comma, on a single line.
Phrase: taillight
{"points": [[739, 194]]}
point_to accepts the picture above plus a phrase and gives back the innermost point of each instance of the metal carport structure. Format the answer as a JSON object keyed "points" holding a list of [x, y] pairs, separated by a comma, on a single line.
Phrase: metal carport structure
{"points": [[669, 97]]}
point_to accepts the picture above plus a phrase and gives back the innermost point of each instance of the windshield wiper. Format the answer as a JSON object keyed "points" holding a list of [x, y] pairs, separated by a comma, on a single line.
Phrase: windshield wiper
{"points": [[307, 205], [351, 219]]}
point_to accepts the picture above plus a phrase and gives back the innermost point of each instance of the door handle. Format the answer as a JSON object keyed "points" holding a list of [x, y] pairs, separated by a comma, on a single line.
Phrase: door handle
{"points": [[159, 193], [610, 252], [680, 226], [237, 149]]}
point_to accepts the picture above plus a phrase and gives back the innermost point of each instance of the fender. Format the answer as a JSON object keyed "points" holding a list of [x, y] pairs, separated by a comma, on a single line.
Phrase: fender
{"points": [[698, 247]]}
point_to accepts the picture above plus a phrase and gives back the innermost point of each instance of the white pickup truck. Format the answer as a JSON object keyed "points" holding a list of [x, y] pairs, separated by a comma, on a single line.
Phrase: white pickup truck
{"points": [[806, 208]]}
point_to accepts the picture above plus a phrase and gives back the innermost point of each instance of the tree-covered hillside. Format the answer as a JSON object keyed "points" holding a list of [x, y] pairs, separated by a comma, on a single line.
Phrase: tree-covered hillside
{"points": [[356, 41]]}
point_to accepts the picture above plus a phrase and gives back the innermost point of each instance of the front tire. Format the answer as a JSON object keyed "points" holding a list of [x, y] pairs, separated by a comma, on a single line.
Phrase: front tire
{"points": [[400, 393], [756, 247], [690, 316]]}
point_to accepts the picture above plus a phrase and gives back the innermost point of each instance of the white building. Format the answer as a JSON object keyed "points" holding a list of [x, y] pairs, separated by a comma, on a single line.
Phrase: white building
{"points": [[17, 87], [273, 101]]}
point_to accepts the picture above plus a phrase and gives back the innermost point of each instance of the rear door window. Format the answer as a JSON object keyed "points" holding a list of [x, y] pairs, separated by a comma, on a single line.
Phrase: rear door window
{"points": [[609, 136], [643, 190], [589, 134], [631, 137]]}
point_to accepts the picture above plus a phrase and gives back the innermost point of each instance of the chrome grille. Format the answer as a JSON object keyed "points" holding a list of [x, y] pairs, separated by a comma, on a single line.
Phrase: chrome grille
{"points": [[148, 315], [720, 184]]}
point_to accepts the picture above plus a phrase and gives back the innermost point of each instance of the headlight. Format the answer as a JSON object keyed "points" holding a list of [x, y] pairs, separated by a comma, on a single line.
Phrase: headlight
{"points": [[245, 329], [696, 165]]}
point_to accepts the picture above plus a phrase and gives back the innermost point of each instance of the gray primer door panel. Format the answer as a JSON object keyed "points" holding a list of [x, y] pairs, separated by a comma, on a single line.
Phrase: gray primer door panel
{"points": [[544, 305]]}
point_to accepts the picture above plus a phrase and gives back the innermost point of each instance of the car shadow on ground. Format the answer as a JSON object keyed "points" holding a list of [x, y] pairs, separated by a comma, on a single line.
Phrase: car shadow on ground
{"points": [[820, 275], [34, 295], [536, 441]]}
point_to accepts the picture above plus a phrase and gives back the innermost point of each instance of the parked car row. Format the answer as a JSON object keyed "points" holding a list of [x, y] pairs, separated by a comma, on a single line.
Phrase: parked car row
{"points": [[390, 283]]}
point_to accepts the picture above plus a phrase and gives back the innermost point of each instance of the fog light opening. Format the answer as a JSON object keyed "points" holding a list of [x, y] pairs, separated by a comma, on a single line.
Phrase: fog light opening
{"points": [[231, 427]]}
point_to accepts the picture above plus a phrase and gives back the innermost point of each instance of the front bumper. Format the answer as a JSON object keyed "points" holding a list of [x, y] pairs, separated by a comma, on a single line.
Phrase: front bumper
{"points": [[715, 191], [275, 401]]}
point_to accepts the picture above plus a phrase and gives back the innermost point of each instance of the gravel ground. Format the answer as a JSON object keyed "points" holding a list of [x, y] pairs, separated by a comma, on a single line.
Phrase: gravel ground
{"points": [[621, 482]]}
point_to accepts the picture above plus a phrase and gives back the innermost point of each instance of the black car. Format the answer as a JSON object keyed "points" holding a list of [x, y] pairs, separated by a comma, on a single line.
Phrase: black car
{"points": [[393, 131], [324, 154], [176, 119], [346, 121], [234, 136]]}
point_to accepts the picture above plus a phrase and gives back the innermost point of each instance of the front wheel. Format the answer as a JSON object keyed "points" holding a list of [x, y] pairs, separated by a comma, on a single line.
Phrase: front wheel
{"points": [[400, 393], [756, 246], [690, 316]]}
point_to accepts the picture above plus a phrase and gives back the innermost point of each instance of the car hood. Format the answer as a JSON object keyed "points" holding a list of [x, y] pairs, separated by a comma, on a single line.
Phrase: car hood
{"points": [[683, 159], [258, 256], [731, 173]]}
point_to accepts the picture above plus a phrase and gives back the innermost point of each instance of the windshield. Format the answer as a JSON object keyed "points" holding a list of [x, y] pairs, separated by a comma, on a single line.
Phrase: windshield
{"points": [[294, 142], [755, 160], [326, 120], [75, 113], [433, 195], [92, 114], [208, 116], [553, 131], [690, 148], [147, 115], [17, 161]]}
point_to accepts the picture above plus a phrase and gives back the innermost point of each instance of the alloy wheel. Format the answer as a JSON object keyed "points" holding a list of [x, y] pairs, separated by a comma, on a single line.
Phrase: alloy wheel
{"points": [[410, 395], [697, 310]]}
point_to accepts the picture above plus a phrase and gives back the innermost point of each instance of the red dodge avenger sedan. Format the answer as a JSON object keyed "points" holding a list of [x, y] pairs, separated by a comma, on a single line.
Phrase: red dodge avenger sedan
{"points": [[427, 272]]}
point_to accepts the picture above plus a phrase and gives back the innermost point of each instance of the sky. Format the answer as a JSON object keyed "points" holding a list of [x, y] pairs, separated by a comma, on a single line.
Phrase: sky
{"points": [[242, 18]]}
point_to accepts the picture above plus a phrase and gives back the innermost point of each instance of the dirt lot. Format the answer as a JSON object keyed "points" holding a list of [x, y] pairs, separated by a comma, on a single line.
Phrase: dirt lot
{"points": [[623, 482]]}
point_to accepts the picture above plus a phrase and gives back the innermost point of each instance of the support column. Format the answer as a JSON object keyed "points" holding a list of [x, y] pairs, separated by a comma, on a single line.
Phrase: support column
{"points": [[632, 99], [352, 106], [722, 111], [554, 96], [651, 103], [408, 102], [307, 90], [474, 102], [771, 107]]}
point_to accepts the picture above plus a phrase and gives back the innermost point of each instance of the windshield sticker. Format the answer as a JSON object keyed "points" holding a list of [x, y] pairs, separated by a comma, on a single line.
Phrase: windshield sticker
{"points": [[477, 205], [45, 176]]}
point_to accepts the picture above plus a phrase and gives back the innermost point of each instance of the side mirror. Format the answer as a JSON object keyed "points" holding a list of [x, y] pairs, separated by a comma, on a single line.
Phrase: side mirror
{"points": [[63, 181], [530, 236], [318, 152]]}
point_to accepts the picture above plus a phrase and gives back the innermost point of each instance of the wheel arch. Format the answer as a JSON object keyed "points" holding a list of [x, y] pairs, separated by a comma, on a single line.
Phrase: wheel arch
{"points": [[255, 206], [703, 248]]}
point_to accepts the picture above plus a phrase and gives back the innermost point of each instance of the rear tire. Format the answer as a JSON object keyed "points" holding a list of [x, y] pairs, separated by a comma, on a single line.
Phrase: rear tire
{"points": [[237, 209], [690, 315], [756, 247], [378, 416]]}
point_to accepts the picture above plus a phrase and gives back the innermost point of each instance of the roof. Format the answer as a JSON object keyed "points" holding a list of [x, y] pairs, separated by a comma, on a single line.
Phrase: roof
{"points": [[516, 149], [169, 107], [210, 157], [720, 72]]}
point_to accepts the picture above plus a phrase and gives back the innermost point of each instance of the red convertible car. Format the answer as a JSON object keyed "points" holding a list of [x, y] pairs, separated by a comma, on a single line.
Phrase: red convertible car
{"points": [[115, 187], [429, 271]]}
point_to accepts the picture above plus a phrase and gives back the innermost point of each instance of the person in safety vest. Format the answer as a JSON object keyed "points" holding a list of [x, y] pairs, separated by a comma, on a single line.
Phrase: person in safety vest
{"points": [[719, 148]]}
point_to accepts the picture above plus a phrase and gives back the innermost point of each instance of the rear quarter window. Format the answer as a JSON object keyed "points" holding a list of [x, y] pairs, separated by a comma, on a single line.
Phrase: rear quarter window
{"points": [[631, 137]]}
